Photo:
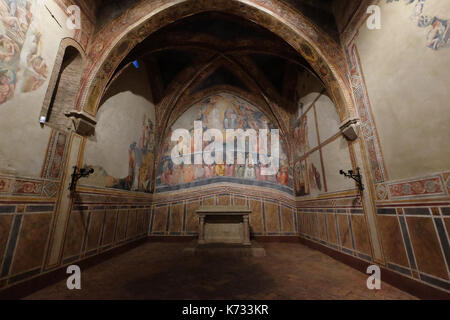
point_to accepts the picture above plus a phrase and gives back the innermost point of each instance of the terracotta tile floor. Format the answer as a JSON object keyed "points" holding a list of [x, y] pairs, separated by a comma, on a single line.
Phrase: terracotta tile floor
{"points": [[162, 271]]}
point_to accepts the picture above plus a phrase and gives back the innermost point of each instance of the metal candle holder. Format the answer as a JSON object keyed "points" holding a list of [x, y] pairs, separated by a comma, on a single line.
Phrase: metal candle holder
{"points": [[355, 176], [78, 174]]}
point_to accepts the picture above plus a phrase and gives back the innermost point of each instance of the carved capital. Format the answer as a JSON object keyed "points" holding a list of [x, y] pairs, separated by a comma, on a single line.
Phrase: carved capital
{"points": [[84, 124], [350, 128]]}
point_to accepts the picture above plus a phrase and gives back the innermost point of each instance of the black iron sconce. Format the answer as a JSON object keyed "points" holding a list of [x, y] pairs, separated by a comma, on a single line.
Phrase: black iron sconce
{"points": [[355, 176], [78, 174]]}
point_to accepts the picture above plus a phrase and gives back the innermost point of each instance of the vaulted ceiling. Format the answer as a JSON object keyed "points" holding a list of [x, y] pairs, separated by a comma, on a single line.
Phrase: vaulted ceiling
{"points": [[321, 12], [213, 51], [217, 51], [187, 58]]}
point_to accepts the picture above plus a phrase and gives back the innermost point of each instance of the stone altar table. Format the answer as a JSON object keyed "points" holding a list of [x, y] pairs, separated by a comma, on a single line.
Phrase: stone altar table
{"points": [[224, 224]]}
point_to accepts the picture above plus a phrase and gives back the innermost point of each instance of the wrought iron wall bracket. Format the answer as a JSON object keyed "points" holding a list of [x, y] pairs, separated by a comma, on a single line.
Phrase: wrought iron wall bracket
{"points": [[355, 176], [78, 174]]}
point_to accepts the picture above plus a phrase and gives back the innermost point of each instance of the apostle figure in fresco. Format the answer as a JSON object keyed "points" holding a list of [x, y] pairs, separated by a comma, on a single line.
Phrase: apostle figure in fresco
{"points": [[229, 170], [199, 172], [250, 172], [209, 171], [188, 173], [239, 171]]}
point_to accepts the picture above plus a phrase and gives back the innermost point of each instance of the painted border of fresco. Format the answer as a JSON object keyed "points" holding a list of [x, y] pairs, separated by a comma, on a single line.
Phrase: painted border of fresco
{"points": [[279, 187]]}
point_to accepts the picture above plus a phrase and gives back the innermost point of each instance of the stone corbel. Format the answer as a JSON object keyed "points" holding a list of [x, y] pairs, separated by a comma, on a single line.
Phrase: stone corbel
{"points": [[84, 124], [350, 128]]}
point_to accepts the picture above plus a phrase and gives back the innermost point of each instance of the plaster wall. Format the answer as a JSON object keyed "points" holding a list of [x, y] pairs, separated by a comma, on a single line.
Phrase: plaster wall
{"points": [[26, 63], [122, 148], [406, 74]]}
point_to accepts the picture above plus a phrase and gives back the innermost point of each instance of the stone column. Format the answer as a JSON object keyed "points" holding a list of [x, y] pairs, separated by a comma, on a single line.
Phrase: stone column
{"points": [[201, 231], [246, 230]]}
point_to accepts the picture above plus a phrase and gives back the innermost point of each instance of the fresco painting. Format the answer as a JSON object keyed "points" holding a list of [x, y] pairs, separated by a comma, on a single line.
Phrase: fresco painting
{"points": [[221, 111], [438, 36], [301, 178], [307, 172], [301, 136], [140, 164], [20, 49]]}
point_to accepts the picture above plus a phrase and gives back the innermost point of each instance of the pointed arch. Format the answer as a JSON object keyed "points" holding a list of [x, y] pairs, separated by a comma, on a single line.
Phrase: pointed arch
{"points": [[118, 38]]}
